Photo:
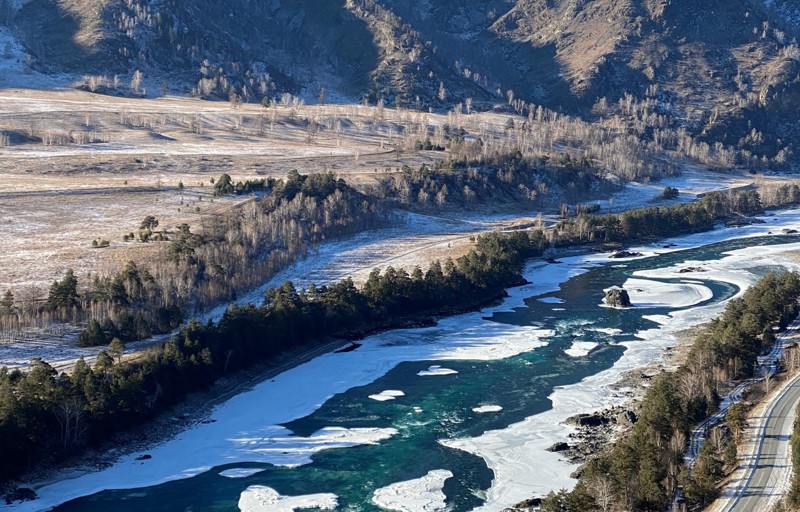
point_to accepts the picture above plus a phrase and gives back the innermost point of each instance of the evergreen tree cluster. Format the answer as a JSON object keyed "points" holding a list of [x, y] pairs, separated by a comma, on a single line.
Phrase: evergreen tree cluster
{"points": [[663, 221], [44, 415], [196, 270], [506, 178]]}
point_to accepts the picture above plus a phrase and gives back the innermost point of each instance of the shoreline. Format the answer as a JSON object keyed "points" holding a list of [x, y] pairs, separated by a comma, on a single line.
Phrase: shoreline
{"points": [[536, 433], [536, 288], [193, 411], [598, 431]]}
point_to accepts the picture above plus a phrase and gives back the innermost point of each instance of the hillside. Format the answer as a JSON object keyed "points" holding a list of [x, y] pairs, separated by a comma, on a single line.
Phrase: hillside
{"points": [[726, 71]]}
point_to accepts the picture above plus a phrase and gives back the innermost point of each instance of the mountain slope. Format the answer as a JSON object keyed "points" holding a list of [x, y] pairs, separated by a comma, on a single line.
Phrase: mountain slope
{"points": [[727, 71]]}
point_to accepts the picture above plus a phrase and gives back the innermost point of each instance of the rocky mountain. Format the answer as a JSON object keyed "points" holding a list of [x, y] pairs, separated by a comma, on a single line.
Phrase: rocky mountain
{"points": [[727, 71]]}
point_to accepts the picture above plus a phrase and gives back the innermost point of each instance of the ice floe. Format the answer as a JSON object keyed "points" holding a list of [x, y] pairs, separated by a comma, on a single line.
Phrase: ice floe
{"points": [[581, 348], [389, 394], [436, 370], [240, 472], [259, 498], [487, 408], [420, 495]]}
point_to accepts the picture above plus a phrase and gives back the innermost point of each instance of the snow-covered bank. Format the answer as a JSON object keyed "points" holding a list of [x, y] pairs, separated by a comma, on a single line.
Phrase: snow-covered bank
{"points": [[518, 454], [420, 495], [265, 499]]}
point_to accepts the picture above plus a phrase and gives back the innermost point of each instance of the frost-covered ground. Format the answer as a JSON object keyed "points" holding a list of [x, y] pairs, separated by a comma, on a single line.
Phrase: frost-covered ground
{"points": [[692, 183]]}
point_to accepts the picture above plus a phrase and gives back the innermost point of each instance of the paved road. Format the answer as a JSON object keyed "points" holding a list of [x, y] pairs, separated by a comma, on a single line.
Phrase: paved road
{"points": [[763, 482]]}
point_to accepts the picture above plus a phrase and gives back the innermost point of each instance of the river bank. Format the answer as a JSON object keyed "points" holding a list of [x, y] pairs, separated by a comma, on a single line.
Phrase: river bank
{"points": [[526, 442], [597, 431], [289, 396]]}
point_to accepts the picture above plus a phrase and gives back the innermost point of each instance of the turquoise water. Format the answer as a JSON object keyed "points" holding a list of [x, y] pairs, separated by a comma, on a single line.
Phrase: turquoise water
{"points": [[440, 407]]}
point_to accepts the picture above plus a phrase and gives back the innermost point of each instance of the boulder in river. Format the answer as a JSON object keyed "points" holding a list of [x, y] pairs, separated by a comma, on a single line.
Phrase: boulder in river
{"points": [[617, 297]]}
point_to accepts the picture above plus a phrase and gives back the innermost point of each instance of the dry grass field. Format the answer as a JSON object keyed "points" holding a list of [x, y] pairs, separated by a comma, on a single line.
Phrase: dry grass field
{"points": [[59, 191]]}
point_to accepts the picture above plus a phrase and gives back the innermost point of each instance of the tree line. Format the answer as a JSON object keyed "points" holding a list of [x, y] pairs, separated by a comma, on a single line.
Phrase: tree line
{"points": [[45, 416], [197, 269], [663, 221], [508, 178]]}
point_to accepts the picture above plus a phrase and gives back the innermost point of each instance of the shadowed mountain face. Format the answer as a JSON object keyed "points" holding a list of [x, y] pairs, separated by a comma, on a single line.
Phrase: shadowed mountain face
{"points": [[717, 67]]}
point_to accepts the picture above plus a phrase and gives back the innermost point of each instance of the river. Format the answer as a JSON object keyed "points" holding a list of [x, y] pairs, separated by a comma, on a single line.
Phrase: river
{"points": [[477, 397]]}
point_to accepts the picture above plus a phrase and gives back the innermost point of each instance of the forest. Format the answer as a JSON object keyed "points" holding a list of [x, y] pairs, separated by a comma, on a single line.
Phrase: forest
{"points": [[496, 179]]}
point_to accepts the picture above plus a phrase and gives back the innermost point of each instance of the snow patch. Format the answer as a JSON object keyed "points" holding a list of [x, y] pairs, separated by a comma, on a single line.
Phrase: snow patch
{"points": [[259, 498], [420, 495]]}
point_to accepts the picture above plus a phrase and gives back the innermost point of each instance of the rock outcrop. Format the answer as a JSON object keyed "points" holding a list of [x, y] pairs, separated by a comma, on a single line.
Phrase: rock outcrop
{"points": [[617, 297]]}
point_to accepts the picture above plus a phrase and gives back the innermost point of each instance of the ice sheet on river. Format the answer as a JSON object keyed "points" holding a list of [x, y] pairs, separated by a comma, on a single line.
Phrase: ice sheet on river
{"points": [[517, 454], [646, 293]]}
